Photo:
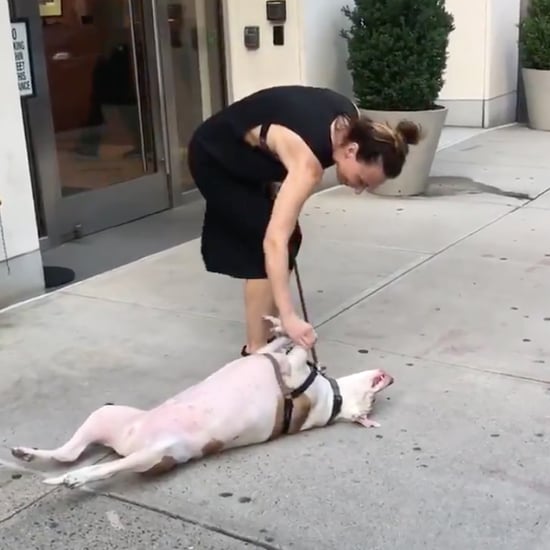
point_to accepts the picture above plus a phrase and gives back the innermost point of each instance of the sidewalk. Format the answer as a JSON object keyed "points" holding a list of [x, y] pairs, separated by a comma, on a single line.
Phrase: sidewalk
{"points": [[449, 293]]}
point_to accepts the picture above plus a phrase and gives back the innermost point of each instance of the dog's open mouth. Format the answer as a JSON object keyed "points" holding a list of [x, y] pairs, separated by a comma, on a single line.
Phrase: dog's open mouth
{"points": [[380, 379]]}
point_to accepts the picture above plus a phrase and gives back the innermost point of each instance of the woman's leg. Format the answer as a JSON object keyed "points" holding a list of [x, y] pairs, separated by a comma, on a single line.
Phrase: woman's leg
{"points": [[258, 297], [258, 301]]}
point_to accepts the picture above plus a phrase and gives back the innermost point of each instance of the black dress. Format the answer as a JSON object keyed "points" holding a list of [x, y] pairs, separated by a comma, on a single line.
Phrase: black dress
{"points": [[235, 178]]}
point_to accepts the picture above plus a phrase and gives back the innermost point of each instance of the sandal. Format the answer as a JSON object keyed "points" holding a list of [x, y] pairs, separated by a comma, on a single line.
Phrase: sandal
{"points": [[245, 353]]}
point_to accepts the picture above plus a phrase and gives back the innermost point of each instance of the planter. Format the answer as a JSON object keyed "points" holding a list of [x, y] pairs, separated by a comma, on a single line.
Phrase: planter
{"points": [[413, 180], [537, 96]]}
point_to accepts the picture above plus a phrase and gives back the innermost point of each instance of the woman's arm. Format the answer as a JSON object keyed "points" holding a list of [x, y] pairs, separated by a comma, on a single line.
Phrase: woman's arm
{"points": [[304, 172]]}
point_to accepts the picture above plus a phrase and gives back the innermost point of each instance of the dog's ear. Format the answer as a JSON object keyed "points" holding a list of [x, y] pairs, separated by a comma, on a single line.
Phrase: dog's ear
{"points": [[365, 421]]}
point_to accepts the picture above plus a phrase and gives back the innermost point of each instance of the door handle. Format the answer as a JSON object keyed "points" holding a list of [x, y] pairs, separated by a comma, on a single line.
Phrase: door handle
{"points": [[61, 56]]}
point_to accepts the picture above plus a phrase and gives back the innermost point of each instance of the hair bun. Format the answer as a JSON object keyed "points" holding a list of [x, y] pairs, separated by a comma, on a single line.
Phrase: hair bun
{"points": [[410, 131]]}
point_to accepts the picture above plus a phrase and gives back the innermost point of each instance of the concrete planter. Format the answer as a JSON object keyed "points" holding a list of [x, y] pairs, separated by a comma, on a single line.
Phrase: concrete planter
{"points": [[413, 180], [537, 96]]}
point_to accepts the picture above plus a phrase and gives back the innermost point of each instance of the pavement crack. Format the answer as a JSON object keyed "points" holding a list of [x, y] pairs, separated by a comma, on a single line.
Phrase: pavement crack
{"points": [[416, 265], [26, 506], [203, 525], [456, 365], [176, 312]]}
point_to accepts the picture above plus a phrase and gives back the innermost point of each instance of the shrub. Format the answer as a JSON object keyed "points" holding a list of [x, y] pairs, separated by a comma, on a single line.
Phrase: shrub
{"points": [[397, 52], [534, 36]]}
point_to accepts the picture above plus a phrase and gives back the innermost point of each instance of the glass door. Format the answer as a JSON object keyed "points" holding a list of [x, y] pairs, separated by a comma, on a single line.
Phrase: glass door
{"points": [[194, 67], [95, 124]]}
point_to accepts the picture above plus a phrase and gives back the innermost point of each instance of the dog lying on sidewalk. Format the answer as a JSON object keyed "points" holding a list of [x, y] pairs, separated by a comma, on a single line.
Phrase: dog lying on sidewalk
{"points": [[251, 400]]}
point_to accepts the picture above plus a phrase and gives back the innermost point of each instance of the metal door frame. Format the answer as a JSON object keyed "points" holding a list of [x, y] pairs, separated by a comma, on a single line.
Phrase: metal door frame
{"points": [[137, 198], [40, 146], [169, 100], [171, 131]]}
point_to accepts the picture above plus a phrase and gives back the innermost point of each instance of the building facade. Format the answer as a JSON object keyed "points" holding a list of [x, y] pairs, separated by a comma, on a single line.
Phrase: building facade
{"points": [[100, 99]]}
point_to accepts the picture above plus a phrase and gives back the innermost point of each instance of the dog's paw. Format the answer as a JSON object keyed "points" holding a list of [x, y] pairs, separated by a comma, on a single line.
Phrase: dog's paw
{"points": [[276, 325], [70, 480], [372, 424], [23, 453], [366, 422], [54, 480]]}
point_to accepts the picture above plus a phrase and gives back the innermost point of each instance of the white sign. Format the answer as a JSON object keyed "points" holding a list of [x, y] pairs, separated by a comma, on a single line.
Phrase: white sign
{"points": [[22, 58]]}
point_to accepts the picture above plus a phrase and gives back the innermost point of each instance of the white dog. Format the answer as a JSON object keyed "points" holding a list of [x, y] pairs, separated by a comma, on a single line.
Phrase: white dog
{"points": [[251, 400]]}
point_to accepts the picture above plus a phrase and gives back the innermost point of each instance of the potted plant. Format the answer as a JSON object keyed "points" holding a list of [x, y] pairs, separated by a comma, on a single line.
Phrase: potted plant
{"points": [[534, 42], [397, 56]]}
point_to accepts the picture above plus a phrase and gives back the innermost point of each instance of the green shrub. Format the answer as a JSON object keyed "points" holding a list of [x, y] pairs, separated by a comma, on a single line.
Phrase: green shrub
{"points": [[534, 36], [397, 52]]}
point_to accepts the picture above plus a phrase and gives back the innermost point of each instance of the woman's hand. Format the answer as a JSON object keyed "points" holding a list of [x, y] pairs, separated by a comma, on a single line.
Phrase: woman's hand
{"points": [[302, 333]]}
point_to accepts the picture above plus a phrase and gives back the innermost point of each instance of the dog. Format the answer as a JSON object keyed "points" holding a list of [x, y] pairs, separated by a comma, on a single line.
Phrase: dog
{"points": [[250, 400]]}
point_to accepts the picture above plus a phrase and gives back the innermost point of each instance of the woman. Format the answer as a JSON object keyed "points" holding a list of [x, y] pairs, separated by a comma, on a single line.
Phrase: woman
{"points": [[286, 135]]}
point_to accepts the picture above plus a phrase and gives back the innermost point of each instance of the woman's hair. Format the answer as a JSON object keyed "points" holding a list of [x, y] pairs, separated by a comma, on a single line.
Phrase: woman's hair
{"points": [[377, 140]]}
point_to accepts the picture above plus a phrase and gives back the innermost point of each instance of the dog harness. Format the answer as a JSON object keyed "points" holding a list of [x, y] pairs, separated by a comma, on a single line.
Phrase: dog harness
{"points": [[289, 395]]}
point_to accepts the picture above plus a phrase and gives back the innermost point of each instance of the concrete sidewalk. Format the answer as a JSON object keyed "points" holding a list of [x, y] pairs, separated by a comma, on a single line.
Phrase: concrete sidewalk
{"points": [[448, 292]]}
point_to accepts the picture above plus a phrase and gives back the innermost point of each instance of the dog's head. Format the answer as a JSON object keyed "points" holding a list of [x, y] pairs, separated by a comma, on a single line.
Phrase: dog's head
{"points": [[359, 393]]}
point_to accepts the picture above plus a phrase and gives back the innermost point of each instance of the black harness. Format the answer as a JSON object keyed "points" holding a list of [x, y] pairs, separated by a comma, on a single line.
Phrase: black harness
{"points": [[289, 397]]}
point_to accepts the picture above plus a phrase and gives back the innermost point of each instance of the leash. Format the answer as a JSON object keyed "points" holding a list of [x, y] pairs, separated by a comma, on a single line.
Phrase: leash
{"points": [[314, 355]]}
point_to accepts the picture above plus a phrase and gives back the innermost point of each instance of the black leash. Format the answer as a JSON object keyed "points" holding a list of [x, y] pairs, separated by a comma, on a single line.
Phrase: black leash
{"points": [[304, 310]]}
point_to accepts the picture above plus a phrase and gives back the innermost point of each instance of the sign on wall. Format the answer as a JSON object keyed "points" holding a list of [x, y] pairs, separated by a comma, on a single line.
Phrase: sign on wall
{"points": [[20, 37]]}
